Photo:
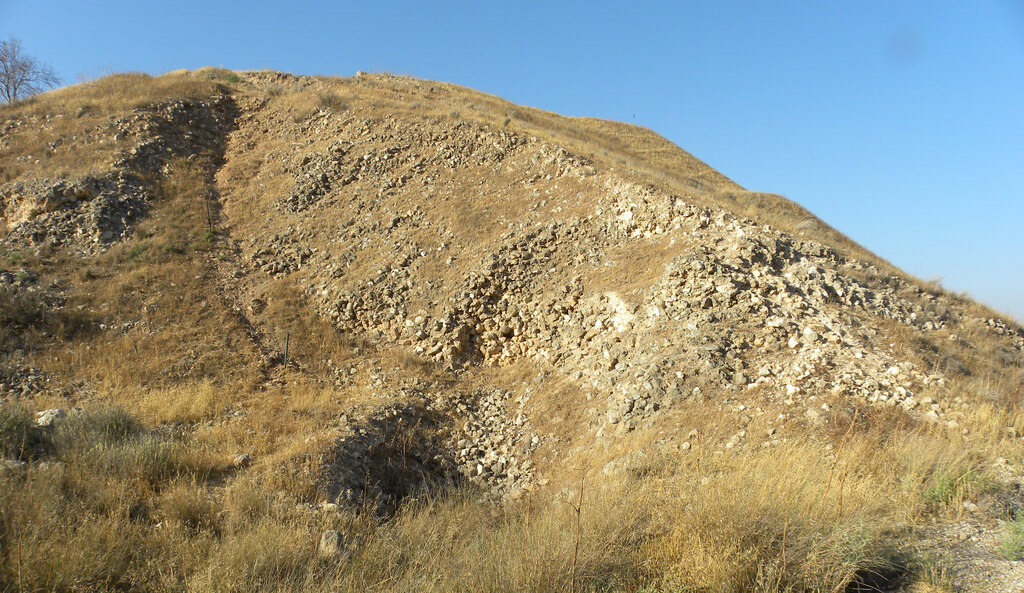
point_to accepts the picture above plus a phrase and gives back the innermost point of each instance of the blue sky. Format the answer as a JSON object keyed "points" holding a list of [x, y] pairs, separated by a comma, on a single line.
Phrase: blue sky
{"points": [[899, 123]]}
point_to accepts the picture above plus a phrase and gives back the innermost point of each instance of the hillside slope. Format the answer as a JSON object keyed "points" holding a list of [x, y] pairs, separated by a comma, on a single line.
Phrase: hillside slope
{"points": [[350, 298]]}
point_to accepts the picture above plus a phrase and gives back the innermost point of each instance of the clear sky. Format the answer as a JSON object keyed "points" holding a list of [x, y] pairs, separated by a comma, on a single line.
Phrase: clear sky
{"points": [[899, 123]]}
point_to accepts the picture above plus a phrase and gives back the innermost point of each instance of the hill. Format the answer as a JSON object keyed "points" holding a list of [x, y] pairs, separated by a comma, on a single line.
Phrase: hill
{"points": [[381, 333]]}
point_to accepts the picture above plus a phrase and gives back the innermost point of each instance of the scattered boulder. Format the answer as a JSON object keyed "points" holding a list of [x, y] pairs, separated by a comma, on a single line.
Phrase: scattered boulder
{"points": [[50, 418], [330, 544]]}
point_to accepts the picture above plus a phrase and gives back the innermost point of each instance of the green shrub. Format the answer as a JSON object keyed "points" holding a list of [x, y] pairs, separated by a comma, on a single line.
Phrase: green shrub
{"points": [[12, 257], [952, 487], [137, 253], [232, 78], [1011, 545]]}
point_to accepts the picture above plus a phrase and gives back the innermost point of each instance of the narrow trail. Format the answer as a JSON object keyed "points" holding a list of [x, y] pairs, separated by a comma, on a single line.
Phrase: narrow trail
{"points": [[967, 554]]}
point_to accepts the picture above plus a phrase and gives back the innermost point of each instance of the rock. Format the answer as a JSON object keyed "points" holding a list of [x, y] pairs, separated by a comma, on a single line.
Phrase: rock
{"points": [[50, 465], [10, 465], [49, 418], [815, 417], [330, 544]]}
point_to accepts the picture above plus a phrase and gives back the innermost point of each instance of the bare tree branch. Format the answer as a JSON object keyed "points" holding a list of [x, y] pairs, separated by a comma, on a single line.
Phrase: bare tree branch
{"points": [[22, 75]]}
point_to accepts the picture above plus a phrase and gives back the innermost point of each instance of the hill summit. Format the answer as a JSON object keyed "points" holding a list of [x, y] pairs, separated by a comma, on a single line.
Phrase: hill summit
{"points": [[418, 321]]}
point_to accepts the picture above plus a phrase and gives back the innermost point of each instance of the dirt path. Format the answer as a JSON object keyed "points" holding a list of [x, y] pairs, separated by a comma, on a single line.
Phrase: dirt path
{"points": [[966, 558]]}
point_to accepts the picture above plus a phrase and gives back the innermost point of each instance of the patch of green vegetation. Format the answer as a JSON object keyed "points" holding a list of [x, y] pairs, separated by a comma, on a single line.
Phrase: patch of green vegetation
{"points": [[170, 248], [137, 253], [232, 78], [207, 238], [12, 257], [1011, 545], [947, 487]]}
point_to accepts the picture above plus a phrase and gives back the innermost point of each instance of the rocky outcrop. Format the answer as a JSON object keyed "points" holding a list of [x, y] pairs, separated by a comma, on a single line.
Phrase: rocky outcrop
{"points": [[87, 214], [437, 437], [468, 244], [84, 215]]}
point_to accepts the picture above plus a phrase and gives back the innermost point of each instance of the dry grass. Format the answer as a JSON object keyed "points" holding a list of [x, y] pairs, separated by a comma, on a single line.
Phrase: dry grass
{"points": [[634, 152], [153, 282], [148, 501], [128, 508], [118, 92], [67, 132]]}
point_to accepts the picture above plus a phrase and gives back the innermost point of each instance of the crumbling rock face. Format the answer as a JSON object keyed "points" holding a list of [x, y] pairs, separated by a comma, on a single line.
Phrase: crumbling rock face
{"points": [[491, 439], [442, 439], [732, 305], [84, 215], [178, 129], [731, 312], [394, 453], [395, 162], [88, 214]]}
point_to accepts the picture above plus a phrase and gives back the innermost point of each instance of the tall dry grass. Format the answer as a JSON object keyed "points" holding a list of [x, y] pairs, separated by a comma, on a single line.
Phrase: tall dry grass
{"points": [[118, 92], [127, 508], [67, 132]]}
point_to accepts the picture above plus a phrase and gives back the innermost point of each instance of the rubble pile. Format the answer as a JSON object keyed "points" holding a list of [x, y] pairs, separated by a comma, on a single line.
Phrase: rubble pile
{"points": [[86, 214]]}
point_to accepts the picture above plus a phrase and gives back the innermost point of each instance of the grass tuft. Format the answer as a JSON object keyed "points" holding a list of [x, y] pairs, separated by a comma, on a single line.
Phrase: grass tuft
{"points": [[1011, 545], [19, 437]]}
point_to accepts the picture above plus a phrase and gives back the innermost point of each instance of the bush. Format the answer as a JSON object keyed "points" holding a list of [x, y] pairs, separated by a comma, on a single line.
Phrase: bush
{"points": [[190, 506], [26, 314], [332, 101], [102, 427], [19, 436], [110, 443], [20, 309]]}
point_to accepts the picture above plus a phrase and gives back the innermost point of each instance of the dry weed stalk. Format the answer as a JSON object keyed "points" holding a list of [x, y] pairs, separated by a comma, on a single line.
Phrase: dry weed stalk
{"points": [[785, 534], [529, 503], [578, 510], [839, 453]]}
